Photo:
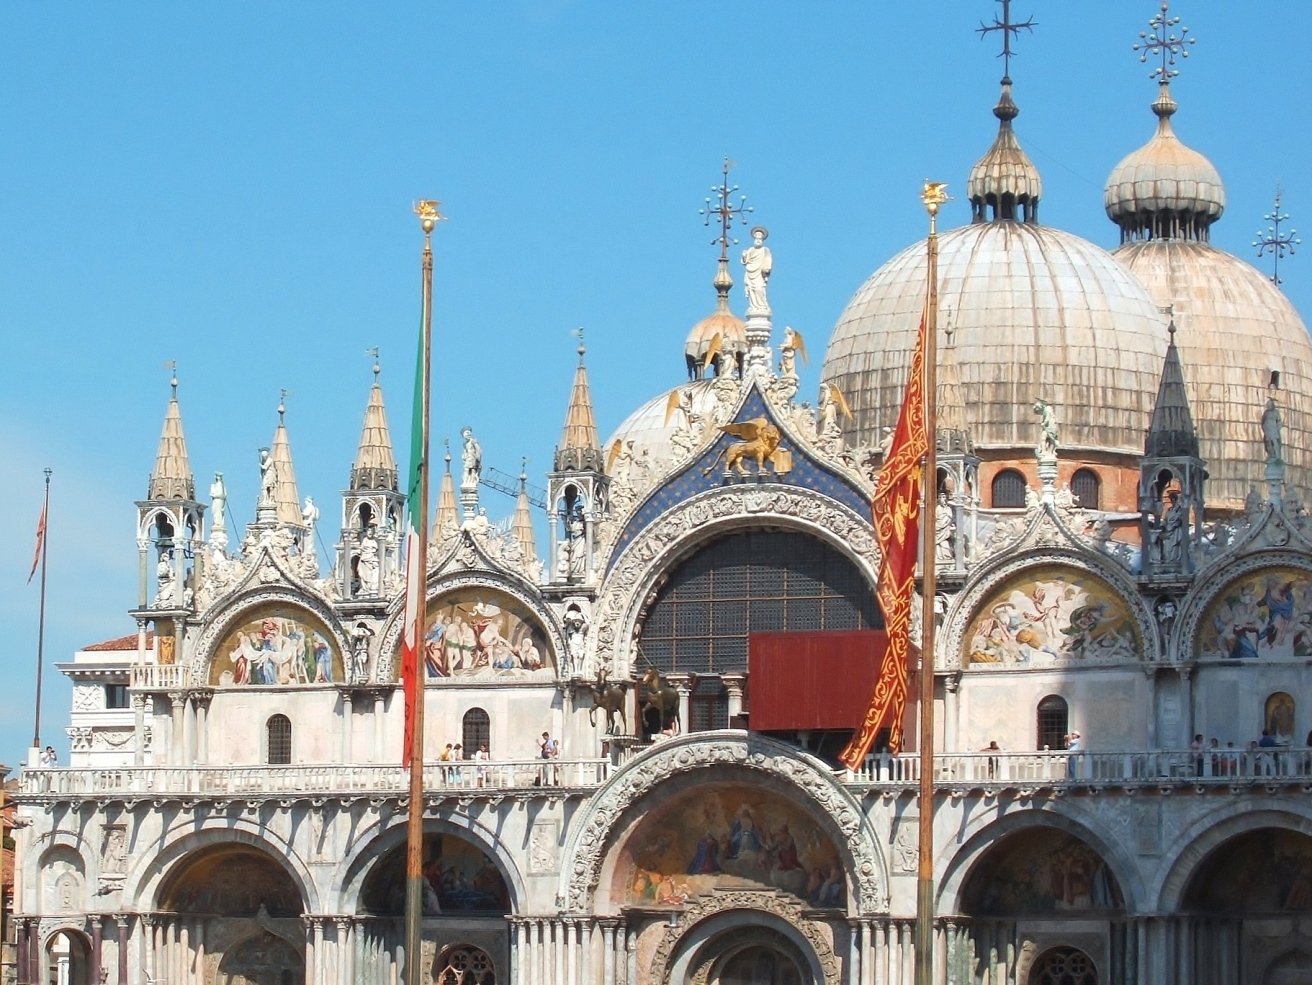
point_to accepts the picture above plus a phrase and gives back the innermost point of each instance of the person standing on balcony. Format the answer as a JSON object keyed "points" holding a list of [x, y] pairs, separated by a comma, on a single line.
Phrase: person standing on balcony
{"points": [[1196, 747], [550, 749], [480, 768], [49, 758], [1074, 744]]}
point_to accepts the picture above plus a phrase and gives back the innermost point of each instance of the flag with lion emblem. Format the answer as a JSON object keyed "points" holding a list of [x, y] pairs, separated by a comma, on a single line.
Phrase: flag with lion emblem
{"points": [[896, 510]]}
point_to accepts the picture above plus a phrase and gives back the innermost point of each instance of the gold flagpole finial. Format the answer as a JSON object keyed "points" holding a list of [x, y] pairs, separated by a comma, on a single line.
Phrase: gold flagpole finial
{"points": [[934, 194], [429, 214]]}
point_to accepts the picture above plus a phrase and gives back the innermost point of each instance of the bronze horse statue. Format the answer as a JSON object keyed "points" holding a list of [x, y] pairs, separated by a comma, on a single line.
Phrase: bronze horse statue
{"points": [[657, 695], [610, 699]]}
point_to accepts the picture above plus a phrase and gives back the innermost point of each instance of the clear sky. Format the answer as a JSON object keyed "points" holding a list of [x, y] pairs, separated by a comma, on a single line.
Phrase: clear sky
{"points": [[230, 185]]}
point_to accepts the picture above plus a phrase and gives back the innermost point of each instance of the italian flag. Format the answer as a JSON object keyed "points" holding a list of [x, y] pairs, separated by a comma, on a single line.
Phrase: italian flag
{"points": [[412, 635]]}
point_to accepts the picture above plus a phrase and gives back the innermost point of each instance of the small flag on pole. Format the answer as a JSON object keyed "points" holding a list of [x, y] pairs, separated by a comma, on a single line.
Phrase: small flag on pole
{"points": [[414, 564], [40, 543]]}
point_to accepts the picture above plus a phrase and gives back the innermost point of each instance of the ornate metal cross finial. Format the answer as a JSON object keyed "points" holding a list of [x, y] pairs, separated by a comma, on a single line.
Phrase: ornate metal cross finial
{"points": [[1164, 43], [724, 211], [1008, 30], [1273, 241]]}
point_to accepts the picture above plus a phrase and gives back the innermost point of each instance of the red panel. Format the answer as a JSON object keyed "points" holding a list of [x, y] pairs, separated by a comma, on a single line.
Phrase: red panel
{"points": [[803, 681]]}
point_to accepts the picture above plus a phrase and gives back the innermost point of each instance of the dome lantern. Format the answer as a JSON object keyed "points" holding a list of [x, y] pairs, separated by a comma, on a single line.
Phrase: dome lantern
{"points": [[1004, 185]]}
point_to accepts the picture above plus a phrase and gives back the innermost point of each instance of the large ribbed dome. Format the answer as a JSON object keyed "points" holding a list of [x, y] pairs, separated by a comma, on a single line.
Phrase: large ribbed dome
{"points": [[1038, 313], [1235, 327], [651, 426]]}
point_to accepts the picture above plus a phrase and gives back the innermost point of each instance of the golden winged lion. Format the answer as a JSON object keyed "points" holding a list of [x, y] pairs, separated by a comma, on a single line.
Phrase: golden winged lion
{"points": [[761, 438]]}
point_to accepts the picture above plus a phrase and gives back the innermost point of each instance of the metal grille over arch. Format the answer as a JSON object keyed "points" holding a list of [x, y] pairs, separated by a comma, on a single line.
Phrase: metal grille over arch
{"points": [[1064, 966], [746, 582]]}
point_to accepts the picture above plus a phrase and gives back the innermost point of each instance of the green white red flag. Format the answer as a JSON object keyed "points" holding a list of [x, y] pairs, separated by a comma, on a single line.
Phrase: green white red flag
{"points": [[415, 567]]}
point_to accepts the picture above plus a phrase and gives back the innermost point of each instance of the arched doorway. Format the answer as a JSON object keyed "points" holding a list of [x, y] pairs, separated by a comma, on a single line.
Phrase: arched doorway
{"points": [[263, 959], [748, 954], [68, 959]]}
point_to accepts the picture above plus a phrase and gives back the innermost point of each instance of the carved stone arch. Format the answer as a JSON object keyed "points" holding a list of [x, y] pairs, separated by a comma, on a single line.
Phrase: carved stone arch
{"points": [[146, 524], [1195, 843], [591, 835], [233, 611], [387, 669], [962, 609], [373, 843], [64, 867], [150, 869], [697, 928], [687, 526], [1218, 578], [954, 865]]}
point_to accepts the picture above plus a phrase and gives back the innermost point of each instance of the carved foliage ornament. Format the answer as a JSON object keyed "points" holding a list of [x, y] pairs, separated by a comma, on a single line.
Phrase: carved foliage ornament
{"points": [[589, 848], [676, 532]]}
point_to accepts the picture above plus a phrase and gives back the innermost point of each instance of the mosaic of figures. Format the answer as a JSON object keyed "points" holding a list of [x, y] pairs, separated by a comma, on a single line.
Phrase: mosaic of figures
{"points": [[458, 877], [484, 633], [279, 645], [238, 883], [1038, 871], [1051, 615], [1266, 871], [1264, 614], [730, 836]]}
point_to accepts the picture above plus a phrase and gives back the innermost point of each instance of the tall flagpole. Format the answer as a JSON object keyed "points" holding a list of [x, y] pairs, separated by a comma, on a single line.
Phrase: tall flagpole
{"points": [[41, 619], [933, 196], [414, 828]]}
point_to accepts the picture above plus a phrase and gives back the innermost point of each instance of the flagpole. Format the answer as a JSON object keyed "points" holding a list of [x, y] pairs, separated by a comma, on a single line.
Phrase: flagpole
{"points": [[41, 618], [933, 196], [414, 830]]}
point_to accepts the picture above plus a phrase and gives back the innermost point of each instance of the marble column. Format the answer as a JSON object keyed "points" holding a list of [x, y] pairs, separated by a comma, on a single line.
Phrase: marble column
{"points": [[608, 949], [198, 952], [176, 740], [347, 719], [683, 684], [379, 701], [139, 729], [733, 683], [201, 700], [123, 923], [951, 711], [558, 949], [345, 973]]}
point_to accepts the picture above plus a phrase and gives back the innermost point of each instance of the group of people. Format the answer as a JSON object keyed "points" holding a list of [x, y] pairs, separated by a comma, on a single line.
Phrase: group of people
{"points": [[1260, 758], [455, 753]]}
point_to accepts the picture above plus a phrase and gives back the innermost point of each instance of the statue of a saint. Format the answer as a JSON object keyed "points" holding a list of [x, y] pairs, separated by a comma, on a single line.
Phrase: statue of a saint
{"points": [[366, 565], [218, 502], [1046, 449], [1173, 532], [268, 478], [758, 263], [471, 457], [309, 515], [164, 579], [1272, 433], [360, 650], [944, 527]]}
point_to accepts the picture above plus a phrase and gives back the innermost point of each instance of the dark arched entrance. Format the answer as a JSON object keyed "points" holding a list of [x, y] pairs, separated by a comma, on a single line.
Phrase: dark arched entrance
{"points": [[68, 959], [264, 959]]}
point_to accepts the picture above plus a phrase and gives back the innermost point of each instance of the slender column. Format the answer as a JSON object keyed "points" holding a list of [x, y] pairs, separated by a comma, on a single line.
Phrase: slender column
{"points": [[854, 952], [378, 725], [176, 740], [344, 969], [198, 950], [123, 923], [517, 948], [558, 947], [1150, 673], [310, 953], [683, 684], [184, 949], [632, 948], [941, 932], [571, 951], [1187, 701], [201, 699], [733, 683], [608, 947], [347, 719], [951, 685], [138, 730], [589, 932], [20, 953]]}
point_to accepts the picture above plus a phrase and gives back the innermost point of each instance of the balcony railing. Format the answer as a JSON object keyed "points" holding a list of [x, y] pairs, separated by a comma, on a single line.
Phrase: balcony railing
{"points": [[326, 780], [158, 677]]}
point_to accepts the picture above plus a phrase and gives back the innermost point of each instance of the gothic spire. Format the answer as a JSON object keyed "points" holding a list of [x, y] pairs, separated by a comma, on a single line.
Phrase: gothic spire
{"points": [[1171, 431], [285, 495], [521, 527], [447, 516], [171, 479], [375, 464], [579, 448]]}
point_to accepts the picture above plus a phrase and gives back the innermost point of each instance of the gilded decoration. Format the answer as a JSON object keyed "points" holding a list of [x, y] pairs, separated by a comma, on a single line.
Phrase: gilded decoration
{"points": [[483, 632], [1050, 615], [730, 836], [1264, 614], [276, 644]]}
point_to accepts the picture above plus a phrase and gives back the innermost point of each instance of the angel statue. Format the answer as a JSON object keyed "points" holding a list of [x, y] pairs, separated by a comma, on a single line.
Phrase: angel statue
{"points": [[759, 263], [793, 346], [832, 403]]}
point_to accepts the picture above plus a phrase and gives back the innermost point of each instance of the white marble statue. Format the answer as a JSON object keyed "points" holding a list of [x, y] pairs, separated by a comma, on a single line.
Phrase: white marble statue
{"points": [[366, 565], [471, 458], [218, 503], [944, 529], [360, 650], [758, 263], [268, 478], [164, 579], [1272, 433], [1046, 449], [309, 517]]}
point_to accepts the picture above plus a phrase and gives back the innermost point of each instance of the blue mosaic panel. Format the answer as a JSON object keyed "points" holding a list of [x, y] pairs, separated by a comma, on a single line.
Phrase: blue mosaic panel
{"points": [[807, 473]]}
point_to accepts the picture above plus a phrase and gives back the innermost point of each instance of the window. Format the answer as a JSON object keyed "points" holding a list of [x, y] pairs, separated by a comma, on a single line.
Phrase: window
{"points": [[116, 696], [1064, 966], [708, 706], [1085, 485], [752, 582], [1008, 490], [464, 964], [279, 728], [476, 731], [1278, 722], [1053, 720]]}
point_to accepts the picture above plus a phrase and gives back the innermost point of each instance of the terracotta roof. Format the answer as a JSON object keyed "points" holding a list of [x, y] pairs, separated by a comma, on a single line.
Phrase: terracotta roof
{"points": [[128, 642]]}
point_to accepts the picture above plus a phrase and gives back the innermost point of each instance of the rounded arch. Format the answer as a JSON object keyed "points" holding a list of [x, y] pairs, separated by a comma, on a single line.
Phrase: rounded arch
{"points": [[77, 953], [1086, 486], [1063, 965], [1197, 842], [374, 843], [1104, 581], [1211, 592], [683, 529], [592, 844], [1007, 490], [150, 869], [713, 939], [230, 880], [954, 867]]}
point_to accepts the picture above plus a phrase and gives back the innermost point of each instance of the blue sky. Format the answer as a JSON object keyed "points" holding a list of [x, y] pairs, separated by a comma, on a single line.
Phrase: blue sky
{"points": [[229, 186]]}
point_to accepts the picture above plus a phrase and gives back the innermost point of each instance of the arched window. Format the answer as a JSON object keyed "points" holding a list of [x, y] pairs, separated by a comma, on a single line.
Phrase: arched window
{"points": [[1064, 966], [1008, 490], [279, 748], [464, 964], [1085, 484], [1053, 723], [1278, 722], [476, 730]]}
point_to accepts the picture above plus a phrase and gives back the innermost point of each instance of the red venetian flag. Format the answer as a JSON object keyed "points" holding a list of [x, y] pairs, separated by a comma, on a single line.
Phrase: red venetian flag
{"points": [[40, 543], [896, 509]]}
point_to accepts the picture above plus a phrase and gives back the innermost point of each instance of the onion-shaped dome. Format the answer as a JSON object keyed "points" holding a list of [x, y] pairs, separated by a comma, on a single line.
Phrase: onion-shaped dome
{"points": [[1235, 329], [1004, 182], [721, 324], [1164, 189], [1037, 313], [651, 427]]}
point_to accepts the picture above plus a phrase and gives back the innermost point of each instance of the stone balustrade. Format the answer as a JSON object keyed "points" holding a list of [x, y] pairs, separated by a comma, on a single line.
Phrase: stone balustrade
{"points": [[158, 677]]}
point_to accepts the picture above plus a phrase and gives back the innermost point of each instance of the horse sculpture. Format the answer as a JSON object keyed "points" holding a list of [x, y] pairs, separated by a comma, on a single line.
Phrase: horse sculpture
{"points": [[610, 699], [658, 696]]}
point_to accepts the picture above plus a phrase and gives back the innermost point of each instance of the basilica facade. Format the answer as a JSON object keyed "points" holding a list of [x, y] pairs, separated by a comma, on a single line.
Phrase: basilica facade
{"points": [[1122, 760]]}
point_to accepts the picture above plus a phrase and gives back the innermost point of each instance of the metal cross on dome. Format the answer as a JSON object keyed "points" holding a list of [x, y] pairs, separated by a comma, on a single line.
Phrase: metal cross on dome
{"points": [[723, 209], [1273, 241], [1008, 30], [1163, 42]]}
